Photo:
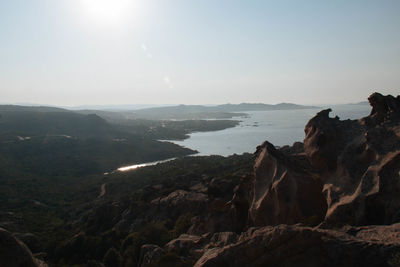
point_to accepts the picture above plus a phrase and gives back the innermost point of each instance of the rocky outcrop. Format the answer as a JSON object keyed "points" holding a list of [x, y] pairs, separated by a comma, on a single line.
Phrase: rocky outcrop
{"points": [[296, 245], [14, 253], [188, 245], [345, 179], [286, 245], [179, 202], [384, 108], [180, 197], [347, 174], [359, 163], [150, 254], [284, 190]]}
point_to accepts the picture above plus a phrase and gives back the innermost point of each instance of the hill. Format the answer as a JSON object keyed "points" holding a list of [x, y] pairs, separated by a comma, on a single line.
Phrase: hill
{"points": [[163, 126], [14, 108], [209, 112], [24, 121], [48, 141]]}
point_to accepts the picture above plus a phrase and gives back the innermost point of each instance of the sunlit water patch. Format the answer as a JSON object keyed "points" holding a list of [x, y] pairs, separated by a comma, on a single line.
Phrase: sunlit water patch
{"points": [[136, 166]]}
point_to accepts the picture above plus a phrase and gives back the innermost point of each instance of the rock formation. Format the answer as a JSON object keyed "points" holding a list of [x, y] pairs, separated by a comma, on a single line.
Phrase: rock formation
{"points": [[359, 163], [285, 190], [296, 245], [286, 245], [344, 181], [348, 173]]}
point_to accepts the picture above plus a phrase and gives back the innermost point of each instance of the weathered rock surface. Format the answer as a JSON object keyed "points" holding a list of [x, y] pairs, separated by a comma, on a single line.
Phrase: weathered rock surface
{"points": [[13, 253], [288, 245], [180, 202], [348, 173], [284, 190], [188, 245], [150, 254], [359, 163], [296, 245]]}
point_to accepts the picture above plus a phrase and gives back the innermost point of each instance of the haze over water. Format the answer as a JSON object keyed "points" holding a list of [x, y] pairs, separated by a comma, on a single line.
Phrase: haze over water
{"points": [[280, 127]]}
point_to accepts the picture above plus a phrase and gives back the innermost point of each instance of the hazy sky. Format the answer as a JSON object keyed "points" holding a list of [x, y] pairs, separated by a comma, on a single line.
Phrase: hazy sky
{"points": [[73, 52]]}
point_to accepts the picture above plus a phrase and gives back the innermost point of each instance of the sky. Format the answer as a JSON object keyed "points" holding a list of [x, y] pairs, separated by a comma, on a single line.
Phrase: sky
{"points": [[79, 52]]}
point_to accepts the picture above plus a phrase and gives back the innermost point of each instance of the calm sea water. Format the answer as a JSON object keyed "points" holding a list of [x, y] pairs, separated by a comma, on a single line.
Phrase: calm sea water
{"points": [[280, 127]]}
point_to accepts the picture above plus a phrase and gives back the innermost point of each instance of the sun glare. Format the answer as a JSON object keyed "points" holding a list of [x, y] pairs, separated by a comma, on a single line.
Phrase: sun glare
{"points": [[107, 11]]}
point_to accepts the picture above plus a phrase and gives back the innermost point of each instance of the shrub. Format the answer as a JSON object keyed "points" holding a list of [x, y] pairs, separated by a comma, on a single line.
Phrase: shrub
{"points": [[152, 233], [112, 258], [182, 224]]}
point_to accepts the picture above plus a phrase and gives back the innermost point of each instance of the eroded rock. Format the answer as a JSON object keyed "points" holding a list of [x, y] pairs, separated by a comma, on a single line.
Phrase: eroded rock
{"points": [[358, 162], [150, 254], [285, 190], [296, 245]]}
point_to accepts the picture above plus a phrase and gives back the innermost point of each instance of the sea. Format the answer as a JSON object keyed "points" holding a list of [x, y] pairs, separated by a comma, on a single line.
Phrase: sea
{"points": [[280, 127]]}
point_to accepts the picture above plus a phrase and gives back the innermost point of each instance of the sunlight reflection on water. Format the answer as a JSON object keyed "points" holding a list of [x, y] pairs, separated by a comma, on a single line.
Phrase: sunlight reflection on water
{"points": [[136, 166]]}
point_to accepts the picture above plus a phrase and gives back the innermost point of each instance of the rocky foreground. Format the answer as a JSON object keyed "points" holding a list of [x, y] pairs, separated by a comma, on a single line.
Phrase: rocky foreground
{"points": [[333, 200]]}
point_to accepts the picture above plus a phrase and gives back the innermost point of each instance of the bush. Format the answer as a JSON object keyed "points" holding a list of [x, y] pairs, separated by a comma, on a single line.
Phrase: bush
{"points": [[172, 260], [112, 258], [182, 224], [152, 233]]}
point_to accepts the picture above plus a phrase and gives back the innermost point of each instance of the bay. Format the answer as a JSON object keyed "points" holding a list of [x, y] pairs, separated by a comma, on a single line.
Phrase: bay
{"points": [[280, 127]]}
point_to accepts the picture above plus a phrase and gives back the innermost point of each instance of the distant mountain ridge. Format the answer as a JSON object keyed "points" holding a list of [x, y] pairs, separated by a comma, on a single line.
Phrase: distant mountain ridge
{"points": [[227, 107], [177, 112], [117, 108], [219, 111], [23, 108]]}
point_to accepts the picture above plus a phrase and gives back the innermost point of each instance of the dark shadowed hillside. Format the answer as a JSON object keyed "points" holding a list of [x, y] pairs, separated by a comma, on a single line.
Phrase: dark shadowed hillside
{"points": [[30, 123], [58, 143]]}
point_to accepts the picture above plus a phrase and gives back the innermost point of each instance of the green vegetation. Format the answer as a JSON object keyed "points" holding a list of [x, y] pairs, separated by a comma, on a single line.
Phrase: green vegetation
{"points": [[112, 258], [63, 156], [395, 260], [173, 130], [70, 144], [52, 168], [74, 226], [171, 259], [182, 224]]}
